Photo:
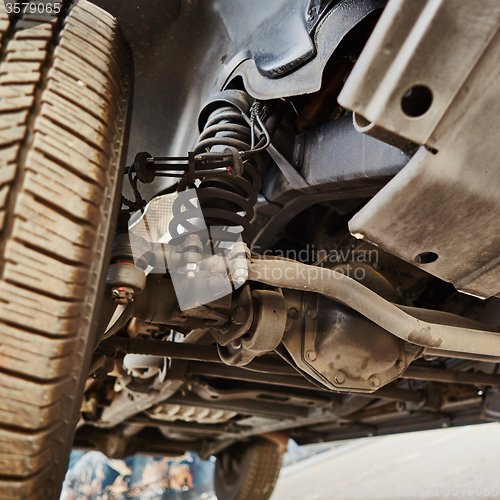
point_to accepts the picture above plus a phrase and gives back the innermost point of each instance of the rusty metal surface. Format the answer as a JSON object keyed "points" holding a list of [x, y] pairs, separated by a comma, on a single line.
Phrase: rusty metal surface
{"points": [[342, 349]]}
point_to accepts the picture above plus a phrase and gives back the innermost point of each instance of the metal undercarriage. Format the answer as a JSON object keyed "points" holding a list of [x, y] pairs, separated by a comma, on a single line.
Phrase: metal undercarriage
{"points": [[398, 183]]}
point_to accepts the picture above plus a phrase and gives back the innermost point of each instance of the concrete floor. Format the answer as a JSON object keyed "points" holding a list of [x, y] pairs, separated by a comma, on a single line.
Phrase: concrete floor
{"points": [[461, 463]]}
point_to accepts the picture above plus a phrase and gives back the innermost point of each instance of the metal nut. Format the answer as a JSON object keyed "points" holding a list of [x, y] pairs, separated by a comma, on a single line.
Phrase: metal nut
{"points": [[240, 276], [191, 269], [339, 378], [375, 381]]}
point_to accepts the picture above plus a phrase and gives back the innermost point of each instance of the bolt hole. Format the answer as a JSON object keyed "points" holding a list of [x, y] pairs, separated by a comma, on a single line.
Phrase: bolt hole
{"points": [[426, 257], [416, 101]]}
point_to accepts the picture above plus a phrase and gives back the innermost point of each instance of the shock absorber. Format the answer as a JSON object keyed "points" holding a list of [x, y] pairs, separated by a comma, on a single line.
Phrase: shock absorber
{"points": [[227, 124]]}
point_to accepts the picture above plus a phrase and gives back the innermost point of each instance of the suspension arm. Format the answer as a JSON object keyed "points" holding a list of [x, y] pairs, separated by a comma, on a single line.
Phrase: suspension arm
{"points": [[483, 340]]}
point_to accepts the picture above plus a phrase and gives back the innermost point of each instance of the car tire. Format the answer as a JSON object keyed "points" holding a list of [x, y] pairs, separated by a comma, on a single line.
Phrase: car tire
{"points": [[65, 87], [248, 471]]}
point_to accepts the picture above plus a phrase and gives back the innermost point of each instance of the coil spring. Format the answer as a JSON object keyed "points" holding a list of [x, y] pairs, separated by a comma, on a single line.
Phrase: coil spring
{"points": [[226, 202]]}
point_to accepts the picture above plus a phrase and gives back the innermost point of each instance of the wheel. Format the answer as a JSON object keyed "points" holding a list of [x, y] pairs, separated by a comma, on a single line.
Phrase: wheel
{"points": [[64, 99], [248, 471]]}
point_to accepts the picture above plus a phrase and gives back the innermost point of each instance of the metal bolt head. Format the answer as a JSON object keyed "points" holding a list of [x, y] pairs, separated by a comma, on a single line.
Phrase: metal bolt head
{"points": [[401, 364], [375, 381], [240, 276], [311, 355], [191, 270], [312, 313], [339, 378]]}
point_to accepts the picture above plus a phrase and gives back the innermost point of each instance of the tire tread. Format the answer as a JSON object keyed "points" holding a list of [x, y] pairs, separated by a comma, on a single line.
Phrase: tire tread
{"points": [[64, 93]]}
